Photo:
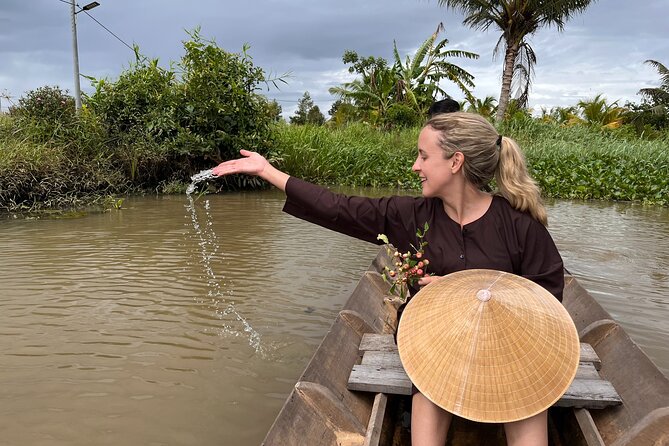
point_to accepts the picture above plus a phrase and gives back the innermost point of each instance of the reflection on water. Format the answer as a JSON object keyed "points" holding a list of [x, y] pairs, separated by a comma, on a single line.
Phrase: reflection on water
{"points": [[114, 326]]}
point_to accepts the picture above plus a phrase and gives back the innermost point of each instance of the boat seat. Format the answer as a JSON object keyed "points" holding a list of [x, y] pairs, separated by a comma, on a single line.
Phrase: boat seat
{"points": [[380, 371]]}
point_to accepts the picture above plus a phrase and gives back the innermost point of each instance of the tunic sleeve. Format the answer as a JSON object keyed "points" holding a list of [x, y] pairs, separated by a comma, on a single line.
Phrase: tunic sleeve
{"points": [[541, 262], [360, 217]]}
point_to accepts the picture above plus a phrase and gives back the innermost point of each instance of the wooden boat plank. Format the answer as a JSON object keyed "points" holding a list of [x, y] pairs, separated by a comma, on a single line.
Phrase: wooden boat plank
{"points": [[588, 428], [381, 371], [372, 378], [375, 425], [590, 393]]}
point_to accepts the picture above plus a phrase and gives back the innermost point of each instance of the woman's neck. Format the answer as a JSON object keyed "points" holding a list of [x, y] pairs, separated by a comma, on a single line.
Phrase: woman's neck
{"points": [[467, 205]]}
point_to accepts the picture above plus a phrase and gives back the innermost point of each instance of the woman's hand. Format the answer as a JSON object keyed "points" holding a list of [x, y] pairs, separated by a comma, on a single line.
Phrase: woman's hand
{"points": [[427, 279], [252, 164]]}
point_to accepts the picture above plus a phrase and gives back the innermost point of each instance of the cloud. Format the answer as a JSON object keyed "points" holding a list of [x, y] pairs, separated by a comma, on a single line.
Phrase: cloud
{"points": [[600, 51]]}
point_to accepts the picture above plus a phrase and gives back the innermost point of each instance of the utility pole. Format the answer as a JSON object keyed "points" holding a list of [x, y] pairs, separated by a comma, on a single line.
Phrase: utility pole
{"points": [[75, 52]]}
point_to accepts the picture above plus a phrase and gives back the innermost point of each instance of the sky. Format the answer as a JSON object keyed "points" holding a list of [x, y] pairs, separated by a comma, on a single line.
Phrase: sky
{"points": [[599, 51]]}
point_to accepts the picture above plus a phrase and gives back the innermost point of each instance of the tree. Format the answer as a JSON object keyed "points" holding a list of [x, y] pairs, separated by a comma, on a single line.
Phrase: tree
{"points": [[659, 97], [314, 116], [372, 95], [598, 112], [413, 82], [484, 107], [307, 112], [516, 19], [418, 79]]}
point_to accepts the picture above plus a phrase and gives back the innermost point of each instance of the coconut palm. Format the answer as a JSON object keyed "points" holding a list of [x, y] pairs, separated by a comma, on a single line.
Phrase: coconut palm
{"points": [[516, 19], [659, 96], [484, 107], [597, 111]]}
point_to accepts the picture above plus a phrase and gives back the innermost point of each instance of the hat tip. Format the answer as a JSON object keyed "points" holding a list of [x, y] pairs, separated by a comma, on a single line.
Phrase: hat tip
{"points": [[483, 295]]}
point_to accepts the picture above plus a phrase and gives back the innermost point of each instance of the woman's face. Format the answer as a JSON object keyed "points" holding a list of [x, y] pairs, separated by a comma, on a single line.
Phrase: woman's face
{"points": [[434, 170]]}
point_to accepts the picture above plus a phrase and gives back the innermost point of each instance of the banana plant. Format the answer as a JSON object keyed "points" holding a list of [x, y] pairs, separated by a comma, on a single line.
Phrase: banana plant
{"points": [[419, 78]]}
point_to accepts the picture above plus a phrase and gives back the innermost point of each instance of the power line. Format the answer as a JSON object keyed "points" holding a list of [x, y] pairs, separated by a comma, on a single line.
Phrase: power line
{"points": [[107, 29], [98, 22]]}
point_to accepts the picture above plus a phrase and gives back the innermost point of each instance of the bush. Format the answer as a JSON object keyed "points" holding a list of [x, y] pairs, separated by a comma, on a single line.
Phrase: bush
{"points": [[42, 113], [401, 115]]}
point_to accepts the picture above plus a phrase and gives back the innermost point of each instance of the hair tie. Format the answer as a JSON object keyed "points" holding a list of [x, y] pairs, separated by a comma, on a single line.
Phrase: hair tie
{"points": [[499, 142]]}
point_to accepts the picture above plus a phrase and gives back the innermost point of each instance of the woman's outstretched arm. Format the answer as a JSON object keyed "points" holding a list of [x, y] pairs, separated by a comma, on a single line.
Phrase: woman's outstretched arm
{"points": [[253, 164]]}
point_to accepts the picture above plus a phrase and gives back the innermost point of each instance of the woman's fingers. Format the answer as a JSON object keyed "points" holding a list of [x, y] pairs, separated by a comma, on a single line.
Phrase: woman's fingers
{"points": [[427, 279], [251, 164]]}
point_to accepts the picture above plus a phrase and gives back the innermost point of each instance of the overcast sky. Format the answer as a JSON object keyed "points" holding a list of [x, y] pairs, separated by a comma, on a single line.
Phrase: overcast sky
{"points": [[600, 51]]}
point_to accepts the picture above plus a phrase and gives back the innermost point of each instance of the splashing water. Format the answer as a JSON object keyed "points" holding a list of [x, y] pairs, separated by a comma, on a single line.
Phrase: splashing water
{"points": [[198, 177], [208, 249]]}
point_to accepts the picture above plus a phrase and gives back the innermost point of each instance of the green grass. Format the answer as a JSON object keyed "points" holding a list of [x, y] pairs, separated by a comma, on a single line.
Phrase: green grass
{"points": [[568, 162], [357, 155], [586, 163]]}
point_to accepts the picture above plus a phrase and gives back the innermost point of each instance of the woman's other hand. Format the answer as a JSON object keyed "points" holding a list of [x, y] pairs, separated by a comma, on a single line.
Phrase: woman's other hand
{"points": [[252, 164], [427, 279]]}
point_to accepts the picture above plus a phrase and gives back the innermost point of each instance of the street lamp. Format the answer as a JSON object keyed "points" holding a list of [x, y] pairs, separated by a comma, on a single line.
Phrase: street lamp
{"points": [[75, 50]]}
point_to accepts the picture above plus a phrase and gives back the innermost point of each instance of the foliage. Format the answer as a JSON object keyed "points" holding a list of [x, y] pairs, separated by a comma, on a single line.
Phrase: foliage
{"points": [[599, 113], [658, 96], [652, 114], [401, 115], [408, 267], [48, 104], [273, 110], [484, 107], [151, 128], [412, 82], [587, 163], [342, 112], [166, 126], [418, 80], [220, 111], [516, 20], [44, 112]]}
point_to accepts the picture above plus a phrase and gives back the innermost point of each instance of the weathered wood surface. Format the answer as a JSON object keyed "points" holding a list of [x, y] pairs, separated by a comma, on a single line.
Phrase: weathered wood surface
{"points": [[375, 425], [381, 371]]}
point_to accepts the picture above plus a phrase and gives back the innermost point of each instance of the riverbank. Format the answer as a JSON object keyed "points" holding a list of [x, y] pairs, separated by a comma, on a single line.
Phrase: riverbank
{"points": [[568, 162]]}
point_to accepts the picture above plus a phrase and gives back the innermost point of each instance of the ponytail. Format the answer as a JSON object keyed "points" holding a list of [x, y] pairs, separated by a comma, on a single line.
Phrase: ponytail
{"points": [[515, 183], [489, 155]]}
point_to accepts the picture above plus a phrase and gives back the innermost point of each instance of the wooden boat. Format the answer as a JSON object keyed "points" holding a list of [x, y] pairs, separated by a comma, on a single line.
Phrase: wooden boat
{"points": [[320, 410]]}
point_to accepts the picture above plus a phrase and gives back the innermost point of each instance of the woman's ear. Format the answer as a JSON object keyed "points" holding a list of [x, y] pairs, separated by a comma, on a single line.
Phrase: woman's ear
{"points": [[457, 160]]}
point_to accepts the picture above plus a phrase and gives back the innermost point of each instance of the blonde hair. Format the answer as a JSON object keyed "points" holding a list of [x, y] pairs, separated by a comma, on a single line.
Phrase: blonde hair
{"points": [[489, 155]]}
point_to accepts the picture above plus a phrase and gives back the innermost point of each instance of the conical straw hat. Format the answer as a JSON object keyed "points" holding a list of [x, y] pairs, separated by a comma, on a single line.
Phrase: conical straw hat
{"points": [[488, 346]]}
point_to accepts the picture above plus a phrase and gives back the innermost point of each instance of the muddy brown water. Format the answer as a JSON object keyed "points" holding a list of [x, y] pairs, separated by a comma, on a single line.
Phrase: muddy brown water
{"points": [[161, 324]]}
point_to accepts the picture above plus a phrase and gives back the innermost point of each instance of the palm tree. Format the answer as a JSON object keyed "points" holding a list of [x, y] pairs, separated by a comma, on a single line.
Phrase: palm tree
{"points": [[484, 107], [596, 111], [516, 19], [658, 96], [373, 94]]}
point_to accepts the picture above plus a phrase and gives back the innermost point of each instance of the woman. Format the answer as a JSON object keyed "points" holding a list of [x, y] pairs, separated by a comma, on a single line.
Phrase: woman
{"points": [[458, 155]]}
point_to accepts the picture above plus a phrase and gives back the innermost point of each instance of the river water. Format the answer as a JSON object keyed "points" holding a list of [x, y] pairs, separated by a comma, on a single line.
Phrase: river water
{"points": [[166, 323]]}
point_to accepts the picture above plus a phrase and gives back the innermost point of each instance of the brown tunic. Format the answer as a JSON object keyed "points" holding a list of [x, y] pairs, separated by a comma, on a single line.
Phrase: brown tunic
{"points": [[503, 239]]}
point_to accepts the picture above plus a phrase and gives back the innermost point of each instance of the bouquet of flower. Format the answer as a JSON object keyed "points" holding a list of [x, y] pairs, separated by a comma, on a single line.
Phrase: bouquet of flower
{"points": [[407, 268]]}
